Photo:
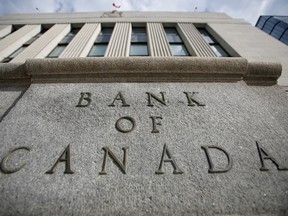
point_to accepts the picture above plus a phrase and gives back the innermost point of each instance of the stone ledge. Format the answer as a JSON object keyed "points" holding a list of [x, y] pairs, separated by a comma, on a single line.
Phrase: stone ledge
{"points": [[263, 73], [137, 65], [14, 74], [137, 69], [140, 69]]}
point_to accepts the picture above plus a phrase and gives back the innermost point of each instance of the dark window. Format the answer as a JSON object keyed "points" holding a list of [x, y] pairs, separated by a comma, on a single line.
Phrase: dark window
{"points": [[172, 35], [262, 21], [269, 25], [69, 37], [279, 29], [177, 46], [215, 46], [56, 52], [35, 37], [101, 43], [139, 42], [282, 18], [138, 50]]}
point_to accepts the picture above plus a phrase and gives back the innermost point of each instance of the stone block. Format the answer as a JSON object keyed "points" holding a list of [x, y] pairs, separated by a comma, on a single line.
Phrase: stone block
{"points": [[54, 128]]}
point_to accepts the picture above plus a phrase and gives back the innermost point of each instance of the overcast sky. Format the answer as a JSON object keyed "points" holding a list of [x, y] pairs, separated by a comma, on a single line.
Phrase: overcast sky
{"points": [[249, 10]]}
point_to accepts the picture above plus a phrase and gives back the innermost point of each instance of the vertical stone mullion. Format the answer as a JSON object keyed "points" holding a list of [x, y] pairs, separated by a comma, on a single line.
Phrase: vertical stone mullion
{"points": [[158, 43], [120, 41], [14, 41], [193, 40], [45, 44], [5, 30], [82, 42], [128, 40], [110, 49]]}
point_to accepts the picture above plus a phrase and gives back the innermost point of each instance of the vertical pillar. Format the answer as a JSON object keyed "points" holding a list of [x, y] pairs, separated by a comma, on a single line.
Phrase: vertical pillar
{"points": [[82, 42], [45, 44], [193, 40], [5, 30], [119, 44], [157, 43], [15, 40]]}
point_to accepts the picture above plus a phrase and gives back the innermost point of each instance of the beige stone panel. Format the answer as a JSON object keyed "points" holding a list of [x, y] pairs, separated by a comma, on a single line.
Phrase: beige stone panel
{"points": [[5, 30], [283, 80], [119, 44], [9, 97], [157, 41], [82, 42], [253, 44], [193, 40], [15, 40], [113, 17], [45, 44]]}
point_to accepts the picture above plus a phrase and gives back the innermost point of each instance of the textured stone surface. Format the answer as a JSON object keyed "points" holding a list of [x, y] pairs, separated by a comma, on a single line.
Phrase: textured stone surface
{"points": [[8, 98], [47, 120], [137, 69], [253, 44], [203, 65], [13, 74], [262, 73]]}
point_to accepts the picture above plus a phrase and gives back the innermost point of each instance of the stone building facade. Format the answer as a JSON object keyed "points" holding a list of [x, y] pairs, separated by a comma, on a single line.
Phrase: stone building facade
{"points": [[141, 113]]}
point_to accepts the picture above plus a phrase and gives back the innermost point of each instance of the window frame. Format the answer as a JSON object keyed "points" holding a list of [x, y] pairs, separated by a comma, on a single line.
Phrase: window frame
{"points": [[54, 50], [180, 42], [65, 41], [103, 42], [204, 33], [138, 43]]}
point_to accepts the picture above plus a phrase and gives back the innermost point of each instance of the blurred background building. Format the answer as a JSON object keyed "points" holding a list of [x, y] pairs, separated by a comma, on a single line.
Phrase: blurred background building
{"points": [[276, 26]]}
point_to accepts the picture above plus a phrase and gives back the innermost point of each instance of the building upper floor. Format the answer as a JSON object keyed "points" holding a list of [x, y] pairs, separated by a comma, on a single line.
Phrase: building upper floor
{"points": [[136, 34], [109, 34]]}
